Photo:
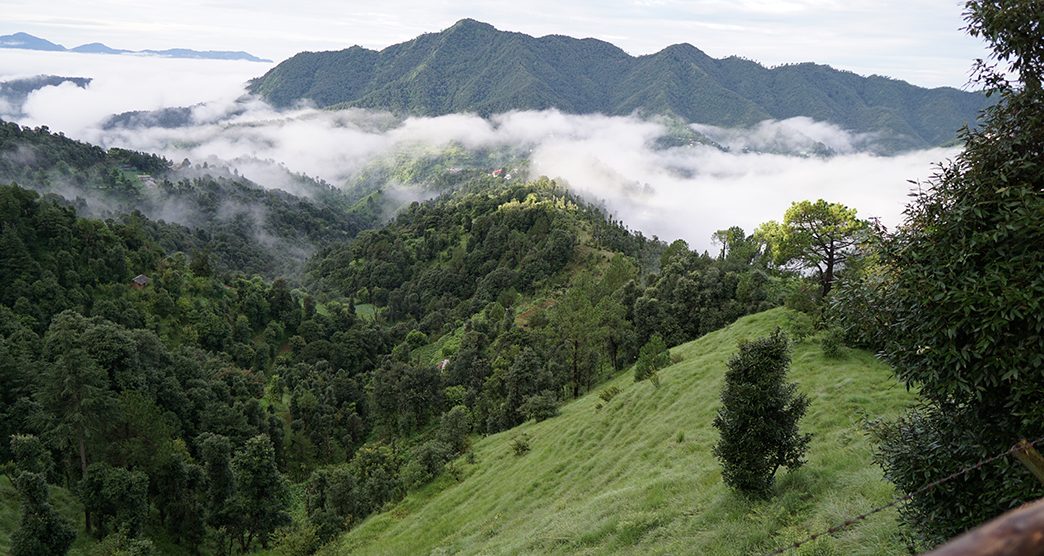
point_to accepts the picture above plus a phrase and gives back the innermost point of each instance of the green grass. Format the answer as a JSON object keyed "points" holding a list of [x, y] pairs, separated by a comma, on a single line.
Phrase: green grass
{"points": [[638, 477], [366, 311]]}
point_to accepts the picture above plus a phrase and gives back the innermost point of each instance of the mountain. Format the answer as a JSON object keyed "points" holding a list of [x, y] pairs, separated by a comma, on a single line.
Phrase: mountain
{"points": [[204, 54], [97, 48], [473, 67], [26, 41]]}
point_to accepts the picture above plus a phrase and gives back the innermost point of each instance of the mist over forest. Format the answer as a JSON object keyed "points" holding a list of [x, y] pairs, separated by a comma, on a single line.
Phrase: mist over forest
{"points": [[474, 291], [656, 174]]}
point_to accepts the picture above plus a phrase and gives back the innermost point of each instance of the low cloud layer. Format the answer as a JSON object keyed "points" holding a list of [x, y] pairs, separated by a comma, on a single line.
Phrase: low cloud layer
{"points": [[682, 192]]}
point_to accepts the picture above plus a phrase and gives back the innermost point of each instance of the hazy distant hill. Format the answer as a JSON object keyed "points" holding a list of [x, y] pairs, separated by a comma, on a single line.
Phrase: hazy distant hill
{"points": [[473, 67], [14, 92], [26, 41]]}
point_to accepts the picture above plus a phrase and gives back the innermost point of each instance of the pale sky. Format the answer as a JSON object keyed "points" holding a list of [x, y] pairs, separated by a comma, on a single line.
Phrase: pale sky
{"points": [[915, 40]]}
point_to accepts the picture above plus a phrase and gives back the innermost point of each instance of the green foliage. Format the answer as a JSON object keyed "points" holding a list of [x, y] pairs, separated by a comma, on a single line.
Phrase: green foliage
{"points": [[472, 67], [425, 463], [608, 393], [758, 419], [30, 455], [520, 444], [833, 343], [121, 544], [377, 470], [296, 540], [331, 502], [652, 357], [217, 210], [540, 406], [959, 296], [41, 530], [819, 236], [261, 496], [454, 428], [116, 498]]}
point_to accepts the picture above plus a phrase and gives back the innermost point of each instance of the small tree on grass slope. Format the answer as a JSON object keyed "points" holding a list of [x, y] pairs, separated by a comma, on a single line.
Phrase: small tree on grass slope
{"points": [[758, 420]]}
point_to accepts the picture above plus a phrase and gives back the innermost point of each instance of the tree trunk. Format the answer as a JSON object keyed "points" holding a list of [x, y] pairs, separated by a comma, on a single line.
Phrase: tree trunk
{"points": [[828, 274], [83, 473]]}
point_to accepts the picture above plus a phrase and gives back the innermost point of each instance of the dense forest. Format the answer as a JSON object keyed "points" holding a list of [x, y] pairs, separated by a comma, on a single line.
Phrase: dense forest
{"points": [[182, 388]]}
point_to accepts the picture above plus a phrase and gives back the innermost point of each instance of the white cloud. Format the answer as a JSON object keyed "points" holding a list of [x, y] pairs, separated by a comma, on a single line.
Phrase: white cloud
{"points": [[686, 192]]}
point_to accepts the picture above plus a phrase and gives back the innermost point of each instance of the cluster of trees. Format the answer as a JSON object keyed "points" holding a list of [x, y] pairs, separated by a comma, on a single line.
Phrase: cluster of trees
{"points": [[952, 298]]}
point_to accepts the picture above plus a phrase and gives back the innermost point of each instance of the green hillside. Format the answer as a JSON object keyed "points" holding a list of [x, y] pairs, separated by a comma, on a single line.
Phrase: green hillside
{"points": [[473, 67], [637, 475]]}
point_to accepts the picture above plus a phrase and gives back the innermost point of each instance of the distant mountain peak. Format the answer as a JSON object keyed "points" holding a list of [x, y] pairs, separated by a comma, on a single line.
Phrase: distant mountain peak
{"points": [[25, 41], [468, 23]]}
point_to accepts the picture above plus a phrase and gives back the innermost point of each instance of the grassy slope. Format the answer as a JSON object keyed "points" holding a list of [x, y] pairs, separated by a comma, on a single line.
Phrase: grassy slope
{"points": [[638, 476]]}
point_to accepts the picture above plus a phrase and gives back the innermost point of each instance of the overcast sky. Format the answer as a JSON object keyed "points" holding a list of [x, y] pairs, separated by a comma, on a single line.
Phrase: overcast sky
{"points": [[916, 40]]}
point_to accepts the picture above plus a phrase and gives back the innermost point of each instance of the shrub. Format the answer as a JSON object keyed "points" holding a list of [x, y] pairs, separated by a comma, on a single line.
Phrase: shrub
{"points": [[540, 406], [799, 326], [520, 444], [609, 393], [758, 420], [652, 357], [296, 540], [832, 343], [426, 462], [119, 544]]}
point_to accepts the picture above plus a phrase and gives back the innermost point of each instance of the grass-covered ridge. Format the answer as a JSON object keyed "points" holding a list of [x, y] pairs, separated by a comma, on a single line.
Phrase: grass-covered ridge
{"points": [[638, 475]]}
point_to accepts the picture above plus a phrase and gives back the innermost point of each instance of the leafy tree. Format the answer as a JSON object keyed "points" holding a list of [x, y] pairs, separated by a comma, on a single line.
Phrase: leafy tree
{"points": [[332, 500], [426, 462], [817, 235], [41, 530], [652, 357], [961, 296], [75, 389], [377, 469], [540, 406], [216, 454], [578, 325], [116, 497], [30, 455], [455, 427], [758, 419], [261, 493]]}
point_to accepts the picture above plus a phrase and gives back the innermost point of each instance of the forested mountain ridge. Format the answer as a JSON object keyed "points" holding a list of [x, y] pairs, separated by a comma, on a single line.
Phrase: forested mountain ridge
{"points": [[473, 67], [244, 227]]}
